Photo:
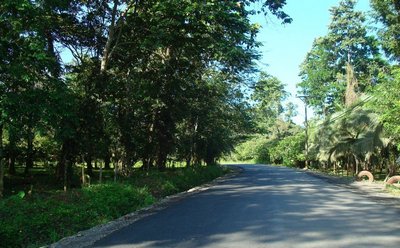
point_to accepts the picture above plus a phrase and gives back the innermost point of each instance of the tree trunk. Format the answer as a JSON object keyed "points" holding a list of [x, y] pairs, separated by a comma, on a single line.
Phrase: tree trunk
{"points": [[147, 163], [65, 162], [111, 37], [107, 161], [29, 151], [56, 70], [83, 179], [161, 159], [116, 164], [188, 161], [12, 152], [1, 163], [162, 127], [62, 171], [100, 173], [11, 164], [89, 165], [162, 146], [357, 164], [65, 176], [61, 163]]}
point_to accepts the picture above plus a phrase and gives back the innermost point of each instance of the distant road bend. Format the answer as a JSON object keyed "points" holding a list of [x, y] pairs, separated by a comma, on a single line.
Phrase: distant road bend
{"points": [[266, 206]]}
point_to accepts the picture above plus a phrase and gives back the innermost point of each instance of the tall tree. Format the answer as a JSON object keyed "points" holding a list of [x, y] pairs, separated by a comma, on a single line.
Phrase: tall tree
{"points": [[388, 13], [386, 95], [185, 39], [27, 71], [268, 94], [137, 67], [347, 49], [386, 102]]}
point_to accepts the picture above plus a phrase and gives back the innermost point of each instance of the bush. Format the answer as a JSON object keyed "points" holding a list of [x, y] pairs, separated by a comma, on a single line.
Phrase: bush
{"points": [[255, 149], [169, 188], [289, 151], [262, 154], [37, 221], [32, 221]]}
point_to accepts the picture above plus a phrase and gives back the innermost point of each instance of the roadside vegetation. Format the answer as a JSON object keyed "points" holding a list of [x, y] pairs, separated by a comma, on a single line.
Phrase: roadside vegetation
{"points": [[350, 79], [42, 216], [106, 106]]}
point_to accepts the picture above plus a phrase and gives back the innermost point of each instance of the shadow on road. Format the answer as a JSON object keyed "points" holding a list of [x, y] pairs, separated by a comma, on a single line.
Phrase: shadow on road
{"points": [[266, 207]]}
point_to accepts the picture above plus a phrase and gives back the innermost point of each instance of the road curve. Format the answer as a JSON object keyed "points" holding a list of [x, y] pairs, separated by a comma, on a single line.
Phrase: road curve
{"points": [[266, 206]]}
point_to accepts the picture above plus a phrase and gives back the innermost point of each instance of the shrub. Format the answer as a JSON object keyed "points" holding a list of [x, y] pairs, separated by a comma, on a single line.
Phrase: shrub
{"points": [[255, 149], [32, 221]]}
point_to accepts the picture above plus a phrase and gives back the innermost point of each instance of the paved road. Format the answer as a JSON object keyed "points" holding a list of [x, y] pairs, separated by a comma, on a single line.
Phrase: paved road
{"points": [[266, 207]]}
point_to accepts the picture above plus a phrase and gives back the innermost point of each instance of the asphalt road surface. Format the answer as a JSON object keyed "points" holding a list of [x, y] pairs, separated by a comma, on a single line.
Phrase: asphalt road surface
{"points": [[266, 207]]}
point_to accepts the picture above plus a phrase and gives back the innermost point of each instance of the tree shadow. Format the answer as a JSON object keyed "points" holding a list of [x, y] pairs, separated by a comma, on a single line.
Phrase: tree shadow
{"points": [[266, 207]]}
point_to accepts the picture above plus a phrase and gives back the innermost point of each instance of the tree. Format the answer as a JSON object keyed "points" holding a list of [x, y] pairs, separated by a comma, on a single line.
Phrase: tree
{"points": [[351, 137], [385, 101], [1, 162], [141, 71], [274, 130], [387, 12], [347, 49], [318, 76], [172, 60], [268, 94], [386, 104], [27, 72]]}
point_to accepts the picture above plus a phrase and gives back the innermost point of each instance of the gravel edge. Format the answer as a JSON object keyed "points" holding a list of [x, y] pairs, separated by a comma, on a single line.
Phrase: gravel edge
{"points": [[88, 237]]}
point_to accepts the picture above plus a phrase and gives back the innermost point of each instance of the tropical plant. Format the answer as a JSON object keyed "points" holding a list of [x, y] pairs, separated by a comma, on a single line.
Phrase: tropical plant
{"points": [[351, 137]]}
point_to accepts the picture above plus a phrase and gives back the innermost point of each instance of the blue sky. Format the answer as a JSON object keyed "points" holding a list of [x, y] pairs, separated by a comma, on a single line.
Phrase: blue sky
{"points": [[285, 46]]}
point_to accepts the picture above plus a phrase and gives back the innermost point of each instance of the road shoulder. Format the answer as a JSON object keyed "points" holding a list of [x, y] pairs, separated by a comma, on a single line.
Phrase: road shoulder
{"points": [[375, 190]]}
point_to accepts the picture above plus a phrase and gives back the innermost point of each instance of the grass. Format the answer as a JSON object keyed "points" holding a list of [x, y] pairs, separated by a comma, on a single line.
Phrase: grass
{"points": [[40, 218], [237, 162], [393, 190]]}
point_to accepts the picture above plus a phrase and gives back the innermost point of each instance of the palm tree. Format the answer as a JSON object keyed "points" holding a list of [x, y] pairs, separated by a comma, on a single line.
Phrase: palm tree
{"points": [[351, 136]]}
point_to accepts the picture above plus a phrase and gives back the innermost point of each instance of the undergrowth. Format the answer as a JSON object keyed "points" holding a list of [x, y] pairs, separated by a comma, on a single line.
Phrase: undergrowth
{"points": [[39, 219]]}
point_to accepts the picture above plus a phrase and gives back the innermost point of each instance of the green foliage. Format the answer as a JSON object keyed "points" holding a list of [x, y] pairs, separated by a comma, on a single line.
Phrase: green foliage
{"points": [[289, 151], [387, 13], [253, 149], [353, 137], [268, 94], [161, 184], [324, 68], [33, 220], [345, 65], [168, 188], [318, 79], [274, 126], [286, 149], [392, 189], [386, 102], [263, 153], [150, 81], [36, 220]]}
